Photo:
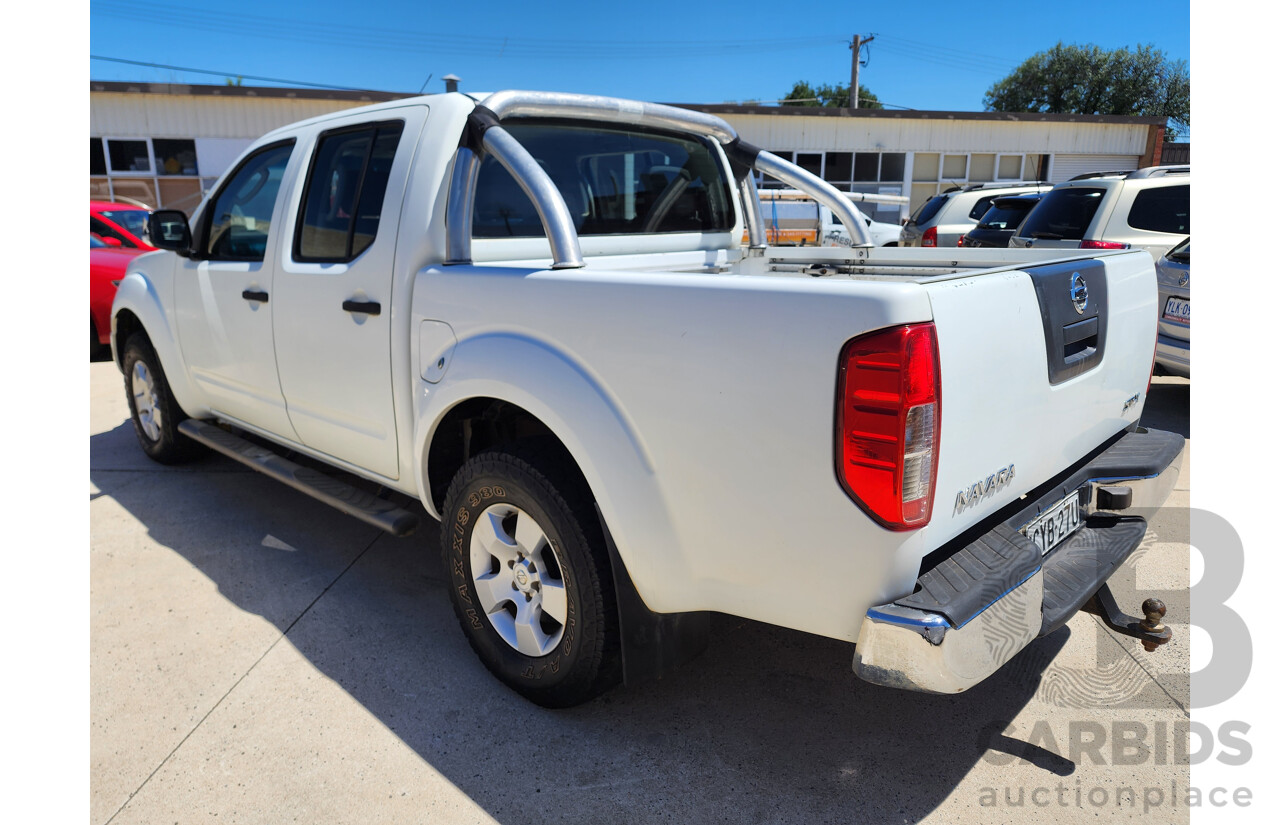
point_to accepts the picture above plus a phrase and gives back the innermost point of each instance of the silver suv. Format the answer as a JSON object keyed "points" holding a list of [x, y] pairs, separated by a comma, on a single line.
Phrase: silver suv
{"points": [[944, 219], [1148, 209]]}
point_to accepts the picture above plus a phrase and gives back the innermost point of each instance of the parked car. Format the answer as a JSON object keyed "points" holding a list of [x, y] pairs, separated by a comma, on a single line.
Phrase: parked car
{"points": [[1146, 209], [455, 306], [1000, 222], [121, 225], [1173, 341], [943, 219], [107, 265]]}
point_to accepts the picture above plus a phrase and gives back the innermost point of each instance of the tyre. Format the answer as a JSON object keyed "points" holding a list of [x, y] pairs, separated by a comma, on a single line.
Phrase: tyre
{"points": [[530, 578], [154, 412]]}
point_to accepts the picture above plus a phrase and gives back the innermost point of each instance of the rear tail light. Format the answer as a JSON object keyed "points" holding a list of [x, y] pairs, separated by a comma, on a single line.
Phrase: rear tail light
{"points": [[930, 237], [888, 422], [1103, 245], [962, 240]]}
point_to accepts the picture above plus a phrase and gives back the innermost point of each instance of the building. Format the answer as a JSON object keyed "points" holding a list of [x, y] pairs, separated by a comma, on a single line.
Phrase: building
{"points": [[165, 144]]}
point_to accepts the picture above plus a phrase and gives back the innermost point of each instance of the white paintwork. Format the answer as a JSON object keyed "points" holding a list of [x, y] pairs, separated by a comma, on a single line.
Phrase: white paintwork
{"points": [[693, 385]]}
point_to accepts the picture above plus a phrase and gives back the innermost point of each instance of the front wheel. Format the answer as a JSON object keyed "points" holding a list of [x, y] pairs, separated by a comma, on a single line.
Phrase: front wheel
{"points": [[155, 413], [530, 577]]}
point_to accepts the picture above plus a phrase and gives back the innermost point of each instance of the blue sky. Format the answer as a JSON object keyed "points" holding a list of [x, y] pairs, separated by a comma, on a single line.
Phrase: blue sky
{"points": [[925, 55]]}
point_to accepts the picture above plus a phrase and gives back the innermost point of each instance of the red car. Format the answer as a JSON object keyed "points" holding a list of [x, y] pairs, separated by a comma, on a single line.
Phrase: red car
{"points": [[107, 266], [120, 225]]}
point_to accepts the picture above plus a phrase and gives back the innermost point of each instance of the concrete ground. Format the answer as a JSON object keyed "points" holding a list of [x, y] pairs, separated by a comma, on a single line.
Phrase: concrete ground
{"points": [[258, 657]]}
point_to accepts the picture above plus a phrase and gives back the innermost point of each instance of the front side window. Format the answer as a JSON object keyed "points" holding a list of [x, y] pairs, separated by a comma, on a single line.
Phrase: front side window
{"points": [[345, 190], [134, 220], [614, 179], [1164, 209], [105, 230], [240, 217]]}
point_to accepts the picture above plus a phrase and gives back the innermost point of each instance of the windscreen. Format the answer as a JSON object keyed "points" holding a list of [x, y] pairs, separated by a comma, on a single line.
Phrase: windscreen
{"points": [[614, 179], [1063, 214]]}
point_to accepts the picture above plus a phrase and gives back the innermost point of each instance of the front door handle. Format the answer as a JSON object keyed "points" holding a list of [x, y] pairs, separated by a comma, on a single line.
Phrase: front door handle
{"points": [[254, 295], [366, 307]]}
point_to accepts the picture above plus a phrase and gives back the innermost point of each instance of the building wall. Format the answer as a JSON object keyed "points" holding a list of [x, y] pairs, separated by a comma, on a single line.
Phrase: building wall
{"points": [[898, 155]]}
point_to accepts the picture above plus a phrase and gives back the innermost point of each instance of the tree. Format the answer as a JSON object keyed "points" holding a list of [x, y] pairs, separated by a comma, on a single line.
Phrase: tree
{"points": [[802, 94], [1089, 80]]}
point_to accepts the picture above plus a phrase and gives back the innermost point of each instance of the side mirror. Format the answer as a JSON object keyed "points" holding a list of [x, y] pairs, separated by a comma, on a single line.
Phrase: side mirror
{"points": [[168, 229], [110, 241]]}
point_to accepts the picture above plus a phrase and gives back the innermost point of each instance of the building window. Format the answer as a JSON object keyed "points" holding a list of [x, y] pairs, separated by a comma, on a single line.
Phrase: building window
{"points": [[129, 155], [97, 158], [175, 157]]}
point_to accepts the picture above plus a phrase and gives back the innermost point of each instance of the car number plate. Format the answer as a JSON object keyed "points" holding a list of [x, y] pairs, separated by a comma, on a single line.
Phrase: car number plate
{"points": [[1177, 310], [1051, 528]]}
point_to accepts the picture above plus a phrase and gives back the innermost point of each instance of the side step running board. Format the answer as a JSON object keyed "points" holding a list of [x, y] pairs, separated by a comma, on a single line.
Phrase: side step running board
{"points": [[364, 506]]}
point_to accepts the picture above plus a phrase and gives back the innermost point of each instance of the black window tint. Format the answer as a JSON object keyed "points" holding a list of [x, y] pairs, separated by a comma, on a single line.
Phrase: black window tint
{"points": [[97, 157], [980, 208], [929, 209], [374, 191], [1063, 214], [345, 190], [240, 218], [1166, 209], [614, 179]]}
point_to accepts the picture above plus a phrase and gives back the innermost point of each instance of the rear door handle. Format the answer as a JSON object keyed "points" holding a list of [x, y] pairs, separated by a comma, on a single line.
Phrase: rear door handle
{"points": [[366, 307], [254, 295]]}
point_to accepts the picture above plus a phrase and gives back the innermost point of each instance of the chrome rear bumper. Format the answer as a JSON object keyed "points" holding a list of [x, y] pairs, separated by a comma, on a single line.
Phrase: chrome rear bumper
{"points": [[954, 647]]}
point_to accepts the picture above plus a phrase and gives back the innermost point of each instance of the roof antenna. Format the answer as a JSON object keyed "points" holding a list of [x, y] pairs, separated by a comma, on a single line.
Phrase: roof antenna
{"points": [[424, 84]]}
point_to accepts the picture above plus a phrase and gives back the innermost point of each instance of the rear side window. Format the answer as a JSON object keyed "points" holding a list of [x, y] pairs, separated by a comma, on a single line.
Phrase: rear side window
{"points": [[614, 179], [1165, 209], [1063, 214], [980, 208], [929, 209], [240, 217], [346, 187]]}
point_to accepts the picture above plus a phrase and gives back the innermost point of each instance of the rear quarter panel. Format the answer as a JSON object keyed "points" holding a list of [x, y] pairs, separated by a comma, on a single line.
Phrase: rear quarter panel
{"points": [[701, 410]]}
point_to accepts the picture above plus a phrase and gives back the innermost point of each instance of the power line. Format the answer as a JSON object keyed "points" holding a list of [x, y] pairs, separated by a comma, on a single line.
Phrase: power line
{"points": [[366, 37], [226, 74]]}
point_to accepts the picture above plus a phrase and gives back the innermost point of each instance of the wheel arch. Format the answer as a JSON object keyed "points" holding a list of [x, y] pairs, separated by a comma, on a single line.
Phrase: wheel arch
{"points": [[139, 309]]}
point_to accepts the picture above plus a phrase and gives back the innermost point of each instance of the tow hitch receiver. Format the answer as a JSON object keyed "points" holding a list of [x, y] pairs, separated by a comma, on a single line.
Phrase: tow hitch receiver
{"points": [[1151, 631]]}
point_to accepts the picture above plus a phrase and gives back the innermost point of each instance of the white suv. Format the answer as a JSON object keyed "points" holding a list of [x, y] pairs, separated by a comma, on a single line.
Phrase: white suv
{"points": [[944, 219], [1148, 209]]}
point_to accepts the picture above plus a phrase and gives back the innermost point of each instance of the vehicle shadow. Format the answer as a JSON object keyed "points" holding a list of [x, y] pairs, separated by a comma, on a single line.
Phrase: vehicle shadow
{"points": [[1168, 405], [769, 725]]}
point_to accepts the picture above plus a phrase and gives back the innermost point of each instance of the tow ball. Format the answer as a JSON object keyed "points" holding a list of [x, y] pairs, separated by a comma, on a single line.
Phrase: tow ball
{"points": [[1151, 631]]}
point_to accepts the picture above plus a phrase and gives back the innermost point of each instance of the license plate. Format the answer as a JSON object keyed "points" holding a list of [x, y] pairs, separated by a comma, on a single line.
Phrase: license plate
{"points": [[1177, 310], [1052, 527]]}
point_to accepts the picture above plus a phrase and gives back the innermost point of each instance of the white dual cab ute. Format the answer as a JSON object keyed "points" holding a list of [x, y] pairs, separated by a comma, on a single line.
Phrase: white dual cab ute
{"points": [[536, 314]]}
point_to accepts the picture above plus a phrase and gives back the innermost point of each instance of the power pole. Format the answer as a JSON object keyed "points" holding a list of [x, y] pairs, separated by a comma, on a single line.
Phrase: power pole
{"points": [[856, 48]]}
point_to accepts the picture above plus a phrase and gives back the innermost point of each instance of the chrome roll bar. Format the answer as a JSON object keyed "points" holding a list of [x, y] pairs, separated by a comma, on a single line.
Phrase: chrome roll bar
{"points": [[557, 221]]}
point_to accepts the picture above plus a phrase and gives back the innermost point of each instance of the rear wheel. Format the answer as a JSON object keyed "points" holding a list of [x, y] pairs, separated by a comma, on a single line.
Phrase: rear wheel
{"points": [[154, 412], [530, 578]]}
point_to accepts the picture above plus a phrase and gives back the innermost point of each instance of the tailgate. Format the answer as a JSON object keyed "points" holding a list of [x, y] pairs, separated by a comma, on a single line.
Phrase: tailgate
{"points": [[1039, 367]]}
